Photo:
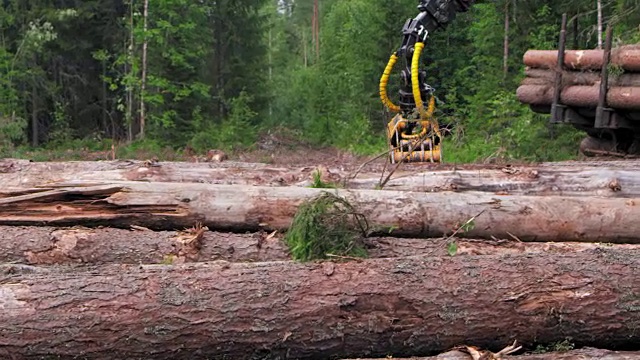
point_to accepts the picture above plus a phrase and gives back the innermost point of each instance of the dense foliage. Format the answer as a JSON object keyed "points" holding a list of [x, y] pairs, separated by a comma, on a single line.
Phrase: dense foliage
{"points": [[215, 73]]}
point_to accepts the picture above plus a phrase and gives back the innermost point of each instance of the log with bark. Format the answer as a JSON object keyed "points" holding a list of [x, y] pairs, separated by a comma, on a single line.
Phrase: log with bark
{"points": [[85, 246], [626, 57], [581, 96], [547, 77], [77, 245], [166, 206], [581, 354], [542, 180], [564, 178], [404, 306], [16, 173]]}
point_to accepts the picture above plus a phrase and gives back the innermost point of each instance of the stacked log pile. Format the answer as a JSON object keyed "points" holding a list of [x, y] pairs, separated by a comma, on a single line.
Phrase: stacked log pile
{"points": [[134, 260], [581, 78]]}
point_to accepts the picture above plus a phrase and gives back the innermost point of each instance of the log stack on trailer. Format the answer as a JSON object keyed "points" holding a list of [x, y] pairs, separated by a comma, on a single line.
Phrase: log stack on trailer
{"points": [[131, 260], [594, 90]]}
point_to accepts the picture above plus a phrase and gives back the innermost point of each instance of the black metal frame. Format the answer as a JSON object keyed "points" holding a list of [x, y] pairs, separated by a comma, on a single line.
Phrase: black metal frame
{"points": [[603, 119]]}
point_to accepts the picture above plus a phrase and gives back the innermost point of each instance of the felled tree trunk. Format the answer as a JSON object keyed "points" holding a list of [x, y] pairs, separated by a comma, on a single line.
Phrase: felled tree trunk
{"points": [[581, 96], [165, 206], [404, 306], [582, 354], [84, 246], [45, 245], [565, 178], [626, 57], [542, 180], [547, 77], [22, 173]]}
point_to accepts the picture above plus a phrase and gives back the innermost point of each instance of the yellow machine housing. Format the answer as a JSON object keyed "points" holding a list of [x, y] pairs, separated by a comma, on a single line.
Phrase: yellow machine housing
{"points": [[409, 139], [411, 147]]}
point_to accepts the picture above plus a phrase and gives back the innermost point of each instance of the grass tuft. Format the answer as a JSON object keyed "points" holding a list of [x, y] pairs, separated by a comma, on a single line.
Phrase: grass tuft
{"points": [[318, 183], [327, 226]]}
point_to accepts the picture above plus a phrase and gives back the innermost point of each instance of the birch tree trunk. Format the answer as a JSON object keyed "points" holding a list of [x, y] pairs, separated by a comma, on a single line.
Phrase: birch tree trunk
{"points": [[599, 30], [143, 85]]}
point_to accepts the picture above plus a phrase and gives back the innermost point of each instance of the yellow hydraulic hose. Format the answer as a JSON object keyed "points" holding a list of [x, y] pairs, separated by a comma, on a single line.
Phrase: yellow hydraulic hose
{"points": [[428, 114], [384, 80], [415, 62]]}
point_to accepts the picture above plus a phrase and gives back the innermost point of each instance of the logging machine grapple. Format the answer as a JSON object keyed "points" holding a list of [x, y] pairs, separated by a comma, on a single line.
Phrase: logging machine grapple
{"points": [[413, 133]]}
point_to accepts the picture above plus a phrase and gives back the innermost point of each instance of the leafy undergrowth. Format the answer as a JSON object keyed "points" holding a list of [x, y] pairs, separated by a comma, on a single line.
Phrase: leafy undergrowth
{"points": [[327, 226]]}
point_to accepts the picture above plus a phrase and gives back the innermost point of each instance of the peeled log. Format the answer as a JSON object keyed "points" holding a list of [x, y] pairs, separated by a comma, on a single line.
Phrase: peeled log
{"points": [[82, 246], [165, 206], [541, 180], [371, 308], [627, 57], [547, 77], [582, 354], [582, 96], [22, 173], [562, 178]]}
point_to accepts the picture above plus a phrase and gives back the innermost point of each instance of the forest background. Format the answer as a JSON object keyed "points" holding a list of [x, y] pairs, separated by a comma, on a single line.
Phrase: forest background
{"points": [[162, 76]]}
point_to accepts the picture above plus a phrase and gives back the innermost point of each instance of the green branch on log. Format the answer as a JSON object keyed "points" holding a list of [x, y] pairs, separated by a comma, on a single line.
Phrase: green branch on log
{"points": [[327, 226]]}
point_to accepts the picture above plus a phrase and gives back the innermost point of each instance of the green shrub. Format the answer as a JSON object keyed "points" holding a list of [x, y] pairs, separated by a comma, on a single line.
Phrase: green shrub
{"points": [[326, 225], [236, 132]]}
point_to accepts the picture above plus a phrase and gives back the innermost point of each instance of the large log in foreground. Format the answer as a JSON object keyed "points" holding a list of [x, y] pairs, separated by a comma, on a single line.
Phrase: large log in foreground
{"points": [[405, 306], [626, 57], [82, 246], [582, 354], [165, 206]]}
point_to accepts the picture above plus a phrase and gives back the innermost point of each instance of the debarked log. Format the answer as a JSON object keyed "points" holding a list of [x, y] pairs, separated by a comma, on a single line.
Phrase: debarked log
{"points": [[371, 308], [581, 354], [581, 96], [541, 180], [166, 206], [84, 246], [15, 173], [626, 57]]}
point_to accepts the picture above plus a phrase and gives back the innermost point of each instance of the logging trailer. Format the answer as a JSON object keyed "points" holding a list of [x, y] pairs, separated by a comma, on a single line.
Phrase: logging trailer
{"points": [[608, 109]]}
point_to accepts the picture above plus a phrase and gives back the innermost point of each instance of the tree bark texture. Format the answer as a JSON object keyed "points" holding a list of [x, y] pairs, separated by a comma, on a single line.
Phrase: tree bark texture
{"points": [[84, 246], [405, 306], [569, 78], [167, 206], [581, 96], [626, 57], [581, 354], [47, 246]]}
